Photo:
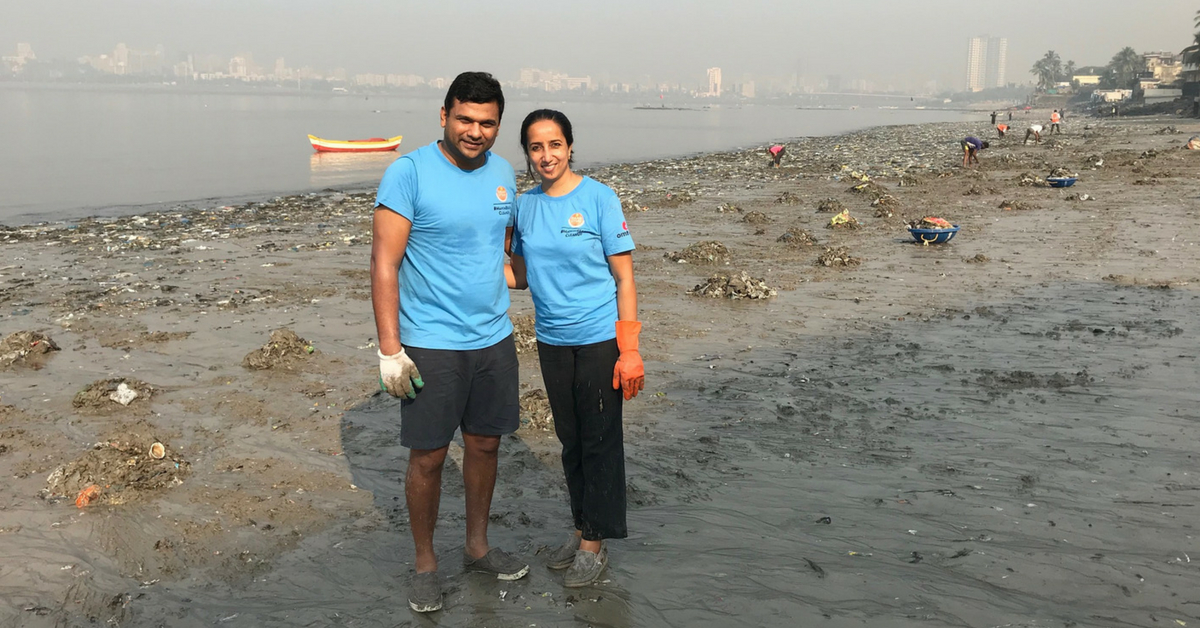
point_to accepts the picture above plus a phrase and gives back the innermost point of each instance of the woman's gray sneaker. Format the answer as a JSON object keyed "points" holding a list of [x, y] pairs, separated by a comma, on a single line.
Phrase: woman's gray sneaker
{"points": [[562, 556], [425, 593], [587, 567], [498, 563]]}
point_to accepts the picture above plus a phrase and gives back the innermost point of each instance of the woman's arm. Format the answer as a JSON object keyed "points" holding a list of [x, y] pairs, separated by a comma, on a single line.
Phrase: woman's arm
{"points": [[621, 266], [514, 273]]}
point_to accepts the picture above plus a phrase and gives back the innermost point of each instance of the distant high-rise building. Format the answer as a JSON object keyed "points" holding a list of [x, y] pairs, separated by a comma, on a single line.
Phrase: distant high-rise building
{"points": [[714, 81], [987, 60], [748, 89]]}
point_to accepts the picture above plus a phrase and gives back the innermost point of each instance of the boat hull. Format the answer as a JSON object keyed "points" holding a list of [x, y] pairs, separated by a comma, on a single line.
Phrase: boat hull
{"points": [[375, 145]]}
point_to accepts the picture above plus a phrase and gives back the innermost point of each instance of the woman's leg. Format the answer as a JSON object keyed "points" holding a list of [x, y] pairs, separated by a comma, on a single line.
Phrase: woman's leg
{"points": [[558, 373], [598, 408]]}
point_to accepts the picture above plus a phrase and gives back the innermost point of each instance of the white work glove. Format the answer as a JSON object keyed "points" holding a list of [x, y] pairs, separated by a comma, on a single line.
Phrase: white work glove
{"points": [[398, 375]]}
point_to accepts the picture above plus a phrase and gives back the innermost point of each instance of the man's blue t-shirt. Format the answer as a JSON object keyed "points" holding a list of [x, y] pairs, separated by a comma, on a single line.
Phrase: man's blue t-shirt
{"points": [[452, 292], [566, 241], [975, 142]]}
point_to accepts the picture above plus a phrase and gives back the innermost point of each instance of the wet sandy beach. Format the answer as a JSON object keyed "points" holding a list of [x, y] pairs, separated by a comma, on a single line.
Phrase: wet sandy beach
{"points": [[997, 431]]}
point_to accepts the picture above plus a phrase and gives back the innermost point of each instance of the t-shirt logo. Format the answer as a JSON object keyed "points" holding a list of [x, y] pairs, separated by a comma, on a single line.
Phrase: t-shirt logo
{"points": [[501, 193], [624, 227], [576, 220]]}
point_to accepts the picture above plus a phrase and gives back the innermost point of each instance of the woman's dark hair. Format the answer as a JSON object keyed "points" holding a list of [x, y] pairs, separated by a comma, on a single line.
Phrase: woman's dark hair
{"points": [[539, 115], [986, 145], [476, 87]]}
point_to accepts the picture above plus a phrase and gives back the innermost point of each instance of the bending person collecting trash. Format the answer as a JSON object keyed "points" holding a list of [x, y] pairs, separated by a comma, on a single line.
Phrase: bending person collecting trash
{"points": [[441, 220], [571, 248], [1034, 131], [971, 147]]}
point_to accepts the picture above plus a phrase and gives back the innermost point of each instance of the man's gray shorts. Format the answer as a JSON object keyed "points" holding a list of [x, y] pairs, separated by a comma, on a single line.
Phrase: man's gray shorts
{"points": [[475, 391]]}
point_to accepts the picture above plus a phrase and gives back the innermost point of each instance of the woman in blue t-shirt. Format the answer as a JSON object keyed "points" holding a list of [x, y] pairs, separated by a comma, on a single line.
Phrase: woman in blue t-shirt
{"points": [[571, 248]]}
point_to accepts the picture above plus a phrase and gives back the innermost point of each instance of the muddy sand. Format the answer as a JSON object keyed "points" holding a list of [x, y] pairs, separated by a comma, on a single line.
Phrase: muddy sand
{"points": [[996, 431]]}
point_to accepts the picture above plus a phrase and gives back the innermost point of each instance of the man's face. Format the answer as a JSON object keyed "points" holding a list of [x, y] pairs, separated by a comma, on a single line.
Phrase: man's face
{"points": [[471, 130]]}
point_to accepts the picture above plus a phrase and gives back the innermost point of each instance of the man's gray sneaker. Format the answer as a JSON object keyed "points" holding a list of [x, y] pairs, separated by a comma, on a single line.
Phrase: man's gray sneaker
{"points": [[497, 562], [562, 556], [587, 567], [425, 593]]}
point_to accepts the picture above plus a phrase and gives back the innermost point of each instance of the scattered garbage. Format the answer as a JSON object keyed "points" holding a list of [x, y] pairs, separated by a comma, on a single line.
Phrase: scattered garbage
{"points": [[909, 180], [738, 286], [837, 258], [158, 451], [103, 393], [978, 258], [26, 348], [535, 411], [797, 237], [1193, 144], [524, 334], [284, 350], [1080, 197], [830, 206], [704, 252], [1062, 172], [844, 221]]}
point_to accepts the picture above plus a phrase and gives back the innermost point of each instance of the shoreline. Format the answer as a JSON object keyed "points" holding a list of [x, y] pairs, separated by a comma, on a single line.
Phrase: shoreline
{"points": [[63, 216], [925, 425]]}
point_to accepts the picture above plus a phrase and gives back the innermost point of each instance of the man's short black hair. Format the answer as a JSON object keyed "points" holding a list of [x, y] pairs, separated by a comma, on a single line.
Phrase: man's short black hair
{"points": [[476, 87]]}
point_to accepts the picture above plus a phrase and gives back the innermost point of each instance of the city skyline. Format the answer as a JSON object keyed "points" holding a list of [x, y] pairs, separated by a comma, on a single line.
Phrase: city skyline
{"points": [[886, 43]]}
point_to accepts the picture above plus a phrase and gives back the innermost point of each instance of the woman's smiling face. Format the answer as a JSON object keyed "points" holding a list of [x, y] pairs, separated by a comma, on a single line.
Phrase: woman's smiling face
{"points": [[547, 150]]}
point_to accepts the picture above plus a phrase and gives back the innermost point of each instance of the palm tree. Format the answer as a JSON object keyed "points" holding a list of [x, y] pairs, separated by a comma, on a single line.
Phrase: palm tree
{"points": [[1125, 66], [1068, 71], [1047, 70]]}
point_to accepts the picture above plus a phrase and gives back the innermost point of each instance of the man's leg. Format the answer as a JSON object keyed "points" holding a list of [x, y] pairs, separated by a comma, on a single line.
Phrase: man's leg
{"points": [[480, 454], [423, 493]]}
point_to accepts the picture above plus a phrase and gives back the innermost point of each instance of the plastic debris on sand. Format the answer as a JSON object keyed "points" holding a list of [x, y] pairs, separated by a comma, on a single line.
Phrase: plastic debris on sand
{"points": [[738, 286]]}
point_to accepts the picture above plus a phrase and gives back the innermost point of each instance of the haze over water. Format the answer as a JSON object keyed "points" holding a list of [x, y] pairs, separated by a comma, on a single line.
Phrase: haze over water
{"points": [[73, 152]]}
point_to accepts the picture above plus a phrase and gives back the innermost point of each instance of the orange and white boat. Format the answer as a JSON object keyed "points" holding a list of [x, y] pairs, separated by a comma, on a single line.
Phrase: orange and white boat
{"points": [[373, 145]]}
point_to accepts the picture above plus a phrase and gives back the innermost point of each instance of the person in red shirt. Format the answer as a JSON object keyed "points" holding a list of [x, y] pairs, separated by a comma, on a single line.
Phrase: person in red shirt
{"points": [[1001, 129], [1055, 118]]}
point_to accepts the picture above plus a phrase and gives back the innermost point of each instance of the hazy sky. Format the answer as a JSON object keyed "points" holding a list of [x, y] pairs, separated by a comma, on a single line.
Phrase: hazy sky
{"points": [[887, 41]]}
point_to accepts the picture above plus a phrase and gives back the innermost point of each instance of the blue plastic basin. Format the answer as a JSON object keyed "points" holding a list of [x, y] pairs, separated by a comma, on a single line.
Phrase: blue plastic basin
{"points": [[933, 236], [1061, 182]]}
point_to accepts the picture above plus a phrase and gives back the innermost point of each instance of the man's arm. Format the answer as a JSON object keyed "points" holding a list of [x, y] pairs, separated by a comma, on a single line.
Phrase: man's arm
{"points": [[390, 237]]}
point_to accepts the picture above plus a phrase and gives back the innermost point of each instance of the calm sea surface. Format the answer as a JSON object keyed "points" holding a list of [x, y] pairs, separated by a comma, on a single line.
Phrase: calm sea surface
{"points": [[74, 152]]}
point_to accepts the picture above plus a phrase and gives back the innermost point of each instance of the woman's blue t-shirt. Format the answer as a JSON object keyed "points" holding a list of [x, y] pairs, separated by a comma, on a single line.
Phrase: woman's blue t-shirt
{"points": [[566, 241]]}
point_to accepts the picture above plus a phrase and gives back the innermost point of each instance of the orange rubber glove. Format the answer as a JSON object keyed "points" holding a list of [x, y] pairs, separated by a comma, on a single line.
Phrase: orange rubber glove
{"points": [[629, 375]]}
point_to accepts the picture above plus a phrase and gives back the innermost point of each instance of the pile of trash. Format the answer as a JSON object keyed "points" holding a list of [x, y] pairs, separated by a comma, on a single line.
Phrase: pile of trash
{"points": [[796, 237], [26, 348], [284, 350], [979, 258], [844, 221], [116, 472], [931, 222], [1028, 179], [885, 206], [830, 206], [869, 188], [1009, 205], [106, 394], [787, 198], [705, 252], [524, 334], [837, 258], [535, 412], [756, 218], [728, 208], [1062, 172], [739, 286], [909, 180]]}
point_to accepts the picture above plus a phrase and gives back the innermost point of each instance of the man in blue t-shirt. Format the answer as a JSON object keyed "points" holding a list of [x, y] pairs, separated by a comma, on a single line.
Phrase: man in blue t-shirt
{"points": [[441, 219]]}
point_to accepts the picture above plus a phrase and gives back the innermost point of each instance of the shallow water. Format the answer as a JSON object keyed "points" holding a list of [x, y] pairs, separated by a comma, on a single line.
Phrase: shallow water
{"points": [[1027, 462], [72, 152]]}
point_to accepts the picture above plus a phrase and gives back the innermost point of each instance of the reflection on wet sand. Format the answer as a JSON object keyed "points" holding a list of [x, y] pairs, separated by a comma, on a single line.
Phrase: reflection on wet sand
{"points": [[338, 169]]}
